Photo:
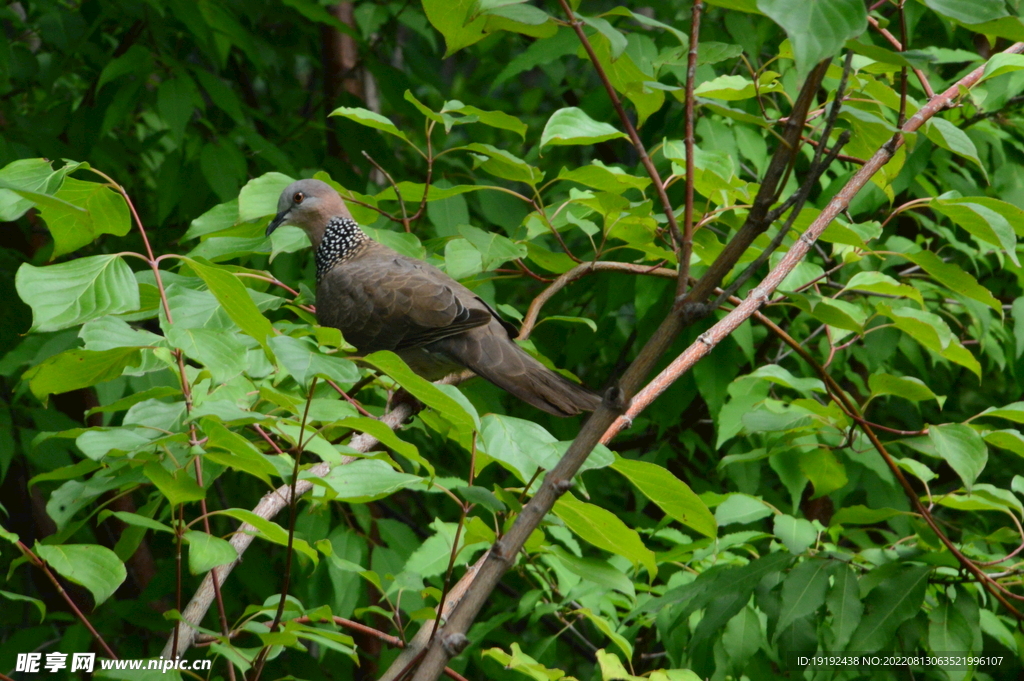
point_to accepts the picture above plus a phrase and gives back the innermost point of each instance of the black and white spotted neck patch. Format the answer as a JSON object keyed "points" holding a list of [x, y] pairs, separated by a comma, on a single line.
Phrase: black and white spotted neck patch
{"points": [[342, 239]]}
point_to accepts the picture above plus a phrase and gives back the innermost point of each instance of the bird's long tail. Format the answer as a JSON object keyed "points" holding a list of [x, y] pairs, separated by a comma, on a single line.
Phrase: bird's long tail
{"points": [[490, 353]]}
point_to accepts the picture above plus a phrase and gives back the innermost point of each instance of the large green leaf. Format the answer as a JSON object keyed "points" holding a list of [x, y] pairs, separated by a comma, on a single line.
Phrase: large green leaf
{"points": [[72, 293], [74, 369], [206, 552], [671, 494], [367, 480], [370, 119], [425, 391], [844, 605], [973, 12], [962, 448], [573, 126], [235, 300], [818, 29], [803, 591], [889, 605], [452, 19], [79, 212], [605, 530], [97, 568], [948, 136], [303, 361]]}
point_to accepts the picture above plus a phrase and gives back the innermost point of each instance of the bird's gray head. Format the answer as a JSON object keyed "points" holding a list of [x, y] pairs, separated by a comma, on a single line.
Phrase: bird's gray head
{"points": [[309, 204]]}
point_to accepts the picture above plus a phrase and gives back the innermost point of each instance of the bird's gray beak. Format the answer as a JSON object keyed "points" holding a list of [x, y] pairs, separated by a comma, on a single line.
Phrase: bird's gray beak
{"points": [[277, 222]]}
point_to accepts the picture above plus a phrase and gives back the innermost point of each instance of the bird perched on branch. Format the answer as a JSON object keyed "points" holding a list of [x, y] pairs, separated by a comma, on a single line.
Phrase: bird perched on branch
{"points": [[381, 300]]}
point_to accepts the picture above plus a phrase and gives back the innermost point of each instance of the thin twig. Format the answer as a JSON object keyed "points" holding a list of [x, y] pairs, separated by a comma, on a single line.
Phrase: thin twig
{"points": [[659, 186], [686, 248]]}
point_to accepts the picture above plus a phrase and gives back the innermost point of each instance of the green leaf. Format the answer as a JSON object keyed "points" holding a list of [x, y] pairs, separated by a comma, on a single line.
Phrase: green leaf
{"points": [[271, 531], [1010, 440], [862, 515], [615, 669], [948, 136], [40, 606], [1013, 412], [604, 178], [741, 508], [175, 101], [451, 18], [1001, 63], [616, 40], [235, 300], [31, 175], [523, 663], [503, 164], [302, 359], [948, 628], [367, 480], [220, 217], [387, 437], [74, 369], [672, 495], [97, 568], [731, 88], [462, 259], [962, 448], [222, 353], [573, 126], [995, 222], [79, 213], [179, 487], [257, 198], [973, 12], [599, 572], [797, 534], [817, 30], [206, 552], [889, 604], [876, 282], [423, 390], [932, 332], [907, 387], [494, 248], [803, 591], [495, 119], [824, 470], [239, 453], [605, 530], [72, 293], [844, 605], [370, 119]]}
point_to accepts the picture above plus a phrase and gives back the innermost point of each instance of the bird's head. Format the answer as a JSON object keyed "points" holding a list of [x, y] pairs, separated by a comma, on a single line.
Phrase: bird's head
{"points": [[308, 204]]}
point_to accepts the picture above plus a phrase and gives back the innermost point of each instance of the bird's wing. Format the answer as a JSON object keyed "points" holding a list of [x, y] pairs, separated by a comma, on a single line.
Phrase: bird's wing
{"points": [[381, 300]]}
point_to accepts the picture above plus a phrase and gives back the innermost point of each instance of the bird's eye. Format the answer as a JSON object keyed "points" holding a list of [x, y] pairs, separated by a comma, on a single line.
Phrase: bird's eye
{"points": [[299, 196]]}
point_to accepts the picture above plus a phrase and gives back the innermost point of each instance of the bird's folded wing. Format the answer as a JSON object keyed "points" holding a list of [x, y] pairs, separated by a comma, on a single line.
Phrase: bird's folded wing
{"points": [[395, 303]]}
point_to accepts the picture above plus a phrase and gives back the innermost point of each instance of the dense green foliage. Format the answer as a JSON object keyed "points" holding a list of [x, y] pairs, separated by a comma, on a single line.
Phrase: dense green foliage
{"points": [[142, 387]]}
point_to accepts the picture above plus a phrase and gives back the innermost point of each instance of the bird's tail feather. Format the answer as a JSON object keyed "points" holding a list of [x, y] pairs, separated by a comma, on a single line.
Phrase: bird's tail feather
{"points": [[502, 362]]}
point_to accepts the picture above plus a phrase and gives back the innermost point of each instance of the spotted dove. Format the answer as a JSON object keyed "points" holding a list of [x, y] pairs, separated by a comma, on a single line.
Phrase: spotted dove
{"points": [[382, 300]]}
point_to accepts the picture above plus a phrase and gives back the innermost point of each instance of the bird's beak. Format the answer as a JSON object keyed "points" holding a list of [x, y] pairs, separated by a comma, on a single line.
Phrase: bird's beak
{"points": [[277, 222]]}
